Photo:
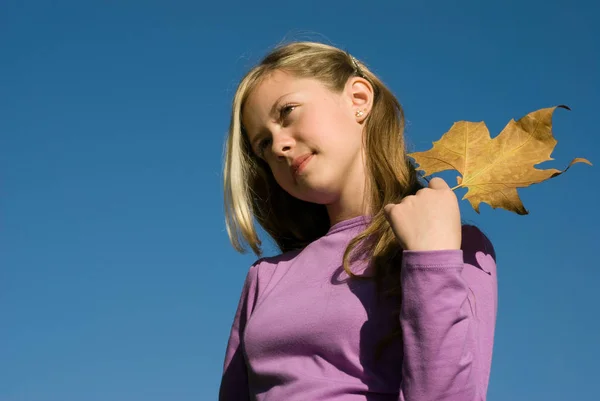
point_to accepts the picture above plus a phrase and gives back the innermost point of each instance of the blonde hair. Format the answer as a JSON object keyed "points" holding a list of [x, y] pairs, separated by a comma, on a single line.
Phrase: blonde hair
{"points": [[250, 189]]}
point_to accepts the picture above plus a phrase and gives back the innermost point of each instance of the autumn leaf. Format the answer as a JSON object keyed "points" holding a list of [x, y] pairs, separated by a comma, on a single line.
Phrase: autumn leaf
{"points": [[493, 169]]}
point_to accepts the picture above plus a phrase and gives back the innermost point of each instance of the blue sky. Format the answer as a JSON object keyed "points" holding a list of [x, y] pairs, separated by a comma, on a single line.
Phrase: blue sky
{"points": [[117, 280]]}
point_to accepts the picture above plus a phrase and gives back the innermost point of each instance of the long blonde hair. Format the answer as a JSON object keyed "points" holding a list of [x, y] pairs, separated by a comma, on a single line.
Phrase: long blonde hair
{"points": [[250, 189]]}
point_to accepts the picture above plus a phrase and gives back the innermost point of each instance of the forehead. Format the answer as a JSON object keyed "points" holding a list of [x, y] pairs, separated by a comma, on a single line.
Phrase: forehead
{"points": [[271, 84], [268, 90], [276, 85]]}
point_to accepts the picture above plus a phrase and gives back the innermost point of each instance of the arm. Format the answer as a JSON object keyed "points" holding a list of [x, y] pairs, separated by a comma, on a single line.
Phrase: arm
{"points": [[234, 382], [448, 316]]}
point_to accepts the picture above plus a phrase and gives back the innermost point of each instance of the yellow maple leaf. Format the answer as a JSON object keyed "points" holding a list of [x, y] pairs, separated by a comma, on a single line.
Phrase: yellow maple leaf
{"points": [[493, 169]]}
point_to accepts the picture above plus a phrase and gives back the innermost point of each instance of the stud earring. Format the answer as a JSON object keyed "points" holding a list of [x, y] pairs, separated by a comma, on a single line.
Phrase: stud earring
{"points": [[359, 113]]}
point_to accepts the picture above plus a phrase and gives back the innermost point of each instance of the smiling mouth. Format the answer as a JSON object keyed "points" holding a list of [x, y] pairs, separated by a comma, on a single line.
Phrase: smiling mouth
{"points": [[302, 165]]}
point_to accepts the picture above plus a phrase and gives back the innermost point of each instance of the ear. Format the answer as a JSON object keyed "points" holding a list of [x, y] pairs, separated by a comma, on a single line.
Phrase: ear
{"points": [[360, 94]]}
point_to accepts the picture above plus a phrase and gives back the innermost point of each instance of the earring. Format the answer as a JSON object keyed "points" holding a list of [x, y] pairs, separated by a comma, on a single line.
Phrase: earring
{"points": [[359, 113]]}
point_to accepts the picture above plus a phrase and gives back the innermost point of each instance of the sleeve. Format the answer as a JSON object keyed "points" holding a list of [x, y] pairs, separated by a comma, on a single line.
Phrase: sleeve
{"points": [[234, 381], [448, 315]]}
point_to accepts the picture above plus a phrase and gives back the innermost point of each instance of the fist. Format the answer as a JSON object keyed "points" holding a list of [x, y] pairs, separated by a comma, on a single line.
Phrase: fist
{"points": [[428, 220]]}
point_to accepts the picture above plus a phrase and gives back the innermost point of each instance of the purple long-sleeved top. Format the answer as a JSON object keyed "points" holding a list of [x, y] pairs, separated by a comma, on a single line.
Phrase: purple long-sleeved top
{"points": [[302, 331]]}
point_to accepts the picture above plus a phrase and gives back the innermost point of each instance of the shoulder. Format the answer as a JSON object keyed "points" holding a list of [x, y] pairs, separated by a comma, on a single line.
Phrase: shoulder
{"points": [[262, 271], [474, 240], [478, 250], [267, 265]]}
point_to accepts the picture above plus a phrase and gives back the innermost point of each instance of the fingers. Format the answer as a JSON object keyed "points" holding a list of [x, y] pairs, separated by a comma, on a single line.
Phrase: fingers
{"points": [[438, 183], [388, 208]]}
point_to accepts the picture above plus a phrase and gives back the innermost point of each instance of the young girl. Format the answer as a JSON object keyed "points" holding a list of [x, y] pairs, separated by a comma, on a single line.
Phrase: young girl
{"points": [[379, 292]]}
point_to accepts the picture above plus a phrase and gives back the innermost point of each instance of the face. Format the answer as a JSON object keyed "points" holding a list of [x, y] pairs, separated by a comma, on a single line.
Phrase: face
{"points": [[310, 137]]}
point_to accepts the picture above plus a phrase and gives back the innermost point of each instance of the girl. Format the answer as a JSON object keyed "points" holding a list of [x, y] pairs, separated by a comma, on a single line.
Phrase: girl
{"points": [[379, 293]]}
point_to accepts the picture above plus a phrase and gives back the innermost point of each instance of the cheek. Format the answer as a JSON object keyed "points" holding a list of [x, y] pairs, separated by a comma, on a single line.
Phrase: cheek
{"points": [[322, 123], [334, 126], [282, 176]]}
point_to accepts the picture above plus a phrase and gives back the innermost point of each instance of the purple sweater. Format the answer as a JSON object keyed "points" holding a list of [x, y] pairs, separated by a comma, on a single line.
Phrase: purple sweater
{"points": [[302, 331]]}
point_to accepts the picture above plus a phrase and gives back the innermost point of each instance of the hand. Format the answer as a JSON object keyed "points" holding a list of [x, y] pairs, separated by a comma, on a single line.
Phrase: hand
{"points": [[428, 220]]}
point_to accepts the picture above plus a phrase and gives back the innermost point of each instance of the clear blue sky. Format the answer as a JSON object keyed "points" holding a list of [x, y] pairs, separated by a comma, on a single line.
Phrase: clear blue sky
{"points": [[117, 280]]}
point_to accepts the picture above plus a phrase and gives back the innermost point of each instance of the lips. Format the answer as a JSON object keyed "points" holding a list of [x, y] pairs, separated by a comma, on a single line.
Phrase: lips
{"points": [[300, 162]]}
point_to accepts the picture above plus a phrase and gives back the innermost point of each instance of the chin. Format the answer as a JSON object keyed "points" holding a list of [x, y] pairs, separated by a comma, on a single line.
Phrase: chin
{"points": [[320, 187], [320, 192]]}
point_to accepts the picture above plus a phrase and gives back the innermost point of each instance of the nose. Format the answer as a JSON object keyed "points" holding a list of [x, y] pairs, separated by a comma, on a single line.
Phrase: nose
{"points": [[283, 143]]}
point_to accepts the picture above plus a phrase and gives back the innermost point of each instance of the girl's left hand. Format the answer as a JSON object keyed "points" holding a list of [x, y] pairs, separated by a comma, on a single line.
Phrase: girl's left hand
{"points": [[428, 220]]}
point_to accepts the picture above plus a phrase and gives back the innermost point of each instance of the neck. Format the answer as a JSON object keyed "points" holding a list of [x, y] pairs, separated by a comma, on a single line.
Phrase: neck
{"points": [[352, 201]]}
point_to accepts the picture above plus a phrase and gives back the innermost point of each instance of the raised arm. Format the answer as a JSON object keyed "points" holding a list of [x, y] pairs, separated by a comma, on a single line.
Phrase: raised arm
{"points": [[448, 317]]}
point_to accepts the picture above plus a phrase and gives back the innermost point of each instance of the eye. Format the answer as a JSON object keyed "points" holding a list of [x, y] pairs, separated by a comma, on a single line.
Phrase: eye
{"points": [[262, 145], [285, 110]]}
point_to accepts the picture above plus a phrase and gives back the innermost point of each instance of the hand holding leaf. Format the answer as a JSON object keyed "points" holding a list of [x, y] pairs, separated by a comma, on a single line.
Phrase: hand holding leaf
{"points": [[428, 220], [493, 169]]}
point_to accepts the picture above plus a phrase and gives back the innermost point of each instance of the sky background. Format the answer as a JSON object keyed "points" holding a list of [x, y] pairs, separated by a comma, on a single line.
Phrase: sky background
{"points": [[117, 279]]}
